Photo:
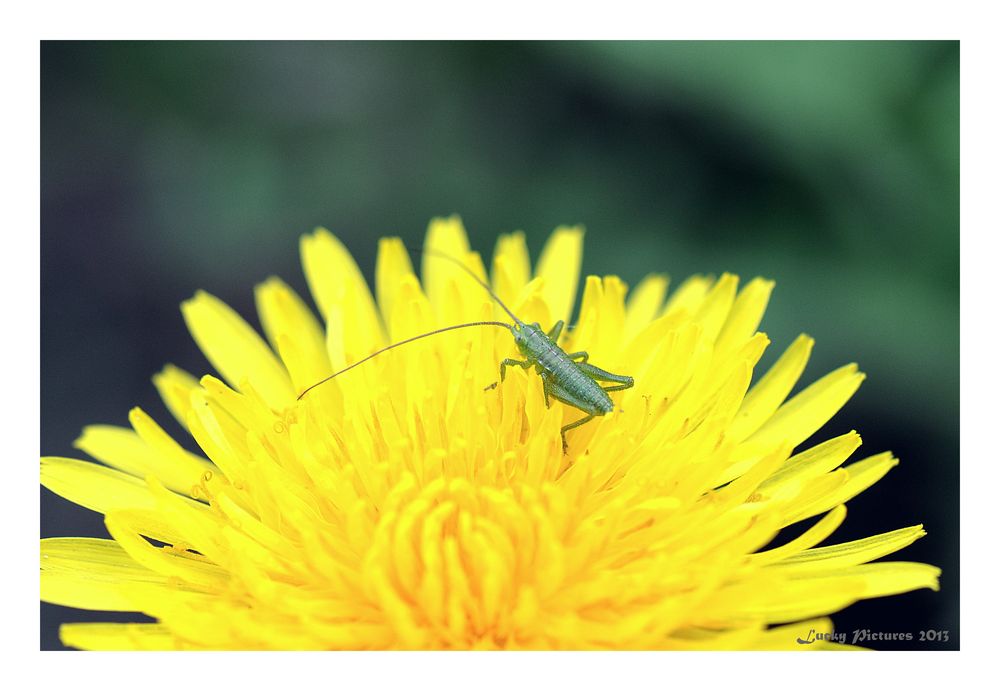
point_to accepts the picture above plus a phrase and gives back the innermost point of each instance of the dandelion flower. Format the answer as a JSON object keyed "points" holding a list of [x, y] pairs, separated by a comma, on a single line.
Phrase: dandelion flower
{"points": [[402, 506]]}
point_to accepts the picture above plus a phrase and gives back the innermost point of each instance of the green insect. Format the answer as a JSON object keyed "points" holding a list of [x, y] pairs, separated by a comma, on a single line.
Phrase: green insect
{"points": [[566, 377]]}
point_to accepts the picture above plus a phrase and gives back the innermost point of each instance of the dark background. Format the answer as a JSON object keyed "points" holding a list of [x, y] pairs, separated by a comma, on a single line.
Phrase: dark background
{"points": [[830, 167]]}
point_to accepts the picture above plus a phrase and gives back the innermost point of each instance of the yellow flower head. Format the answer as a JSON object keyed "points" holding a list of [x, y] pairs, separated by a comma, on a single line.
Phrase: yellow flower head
{"points": [[401, 505]]}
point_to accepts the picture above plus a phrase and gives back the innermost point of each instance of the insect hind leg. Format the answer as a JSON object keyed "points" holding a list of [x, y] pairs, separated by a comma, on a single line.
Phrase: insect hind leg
{"points": [[621, 381], [562, 395], [567, 428]]}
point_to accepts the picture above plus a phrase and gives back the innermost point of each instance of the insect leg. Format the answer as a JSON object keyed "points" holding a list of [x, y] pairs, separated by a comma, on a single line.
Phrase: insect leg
{"points": [[556, 330], [503, 369], [581, 355], [560, 394], [567, 428], [596, 373], [511, 362], [547, 389]]}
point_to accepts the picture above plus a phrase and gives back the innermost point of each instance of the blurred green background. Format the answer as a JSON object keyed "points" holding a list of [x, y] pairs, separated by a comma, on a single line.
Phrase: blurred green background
{"points": [[831, 167]]}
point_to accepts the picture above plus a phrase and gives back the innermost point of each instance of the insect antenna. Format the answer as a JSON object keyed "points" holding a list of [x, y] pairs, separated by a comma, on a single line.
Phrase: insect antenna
{"points": [[404, 342], [463, 267]]}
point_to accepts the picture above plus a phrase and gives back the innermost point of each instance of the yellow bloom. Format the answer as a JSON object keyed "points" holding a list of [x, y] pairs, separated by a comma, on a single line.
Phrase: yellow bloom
{"points": [[402, 506]]}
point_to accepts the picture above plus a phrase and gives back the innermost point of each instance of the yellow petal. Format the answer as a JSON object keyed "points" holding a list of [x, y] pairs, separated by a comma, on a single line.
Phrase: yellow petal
{"points": [[93, 486], [766, 395], [850, 553], [871, 580], [860, 476], [588, 321], [391, 268], [146, 451], [644, 304], [601, 320], [688, 296], [176, 467], [820, 459], [293, 331], [126, 528], [715, 308], [809, 410], [216, 432], [338, 287], [118, 637], [816, 534], [332, 273], [151, 524], [445, 236], [559, 264], [742, 487], [175, 387], [117, 447], [505, 287], [88, 573], [745, 315], [240, 409], [104, 490], [411, 314], [893, 577], [201, 529], [795, 599], [730, 639], [235, 350], [511, 258], [612, 320]]}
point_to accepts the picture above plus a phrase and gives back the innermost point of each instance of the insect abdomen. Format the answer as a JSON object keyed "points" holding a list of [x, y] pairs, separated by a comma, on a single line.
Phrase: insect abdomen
{"points": [[567, 375], [585, 388]]}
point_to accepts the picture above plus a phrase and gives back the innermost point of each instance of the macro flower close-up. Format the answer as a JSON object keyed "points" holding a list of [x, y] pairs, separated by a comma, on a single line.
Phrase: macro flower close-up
{"points": [[410, 503]]}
